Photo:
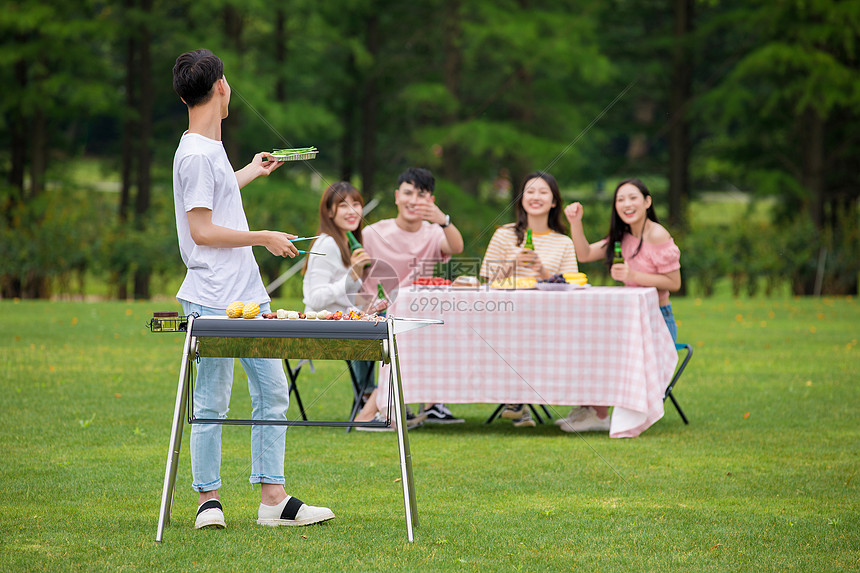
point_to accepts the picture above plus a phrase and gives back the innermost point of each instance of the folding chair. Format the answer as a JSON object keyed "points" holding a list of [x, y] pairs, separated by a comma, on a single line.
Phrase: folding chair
{"points": [[500, 407], [293, 375], [677, 375]]}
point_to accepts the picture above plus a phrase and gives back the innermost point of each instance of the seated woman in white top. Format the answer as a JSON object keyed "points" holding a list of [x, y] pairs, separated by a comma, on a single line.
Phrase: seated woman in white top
{"points": [[333, 281]]}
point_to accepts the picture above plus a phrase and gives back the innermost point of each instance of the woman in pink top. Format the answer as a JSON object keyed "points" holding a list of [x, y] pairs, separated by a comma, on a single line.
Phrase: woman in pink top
{"points": [[651, 259]]}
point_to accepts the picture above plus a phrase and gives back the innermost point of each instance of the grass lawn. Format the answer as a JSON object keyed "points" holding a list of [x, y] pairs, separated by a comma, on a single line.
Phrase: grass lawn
{"points": [[764, 477]]}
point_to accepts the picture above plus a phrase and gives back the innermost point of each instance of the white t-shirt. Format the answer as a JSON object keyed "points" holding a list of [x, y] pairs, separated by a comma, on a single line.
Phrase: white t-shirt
{"points": [[328, 284], [203, 177]]}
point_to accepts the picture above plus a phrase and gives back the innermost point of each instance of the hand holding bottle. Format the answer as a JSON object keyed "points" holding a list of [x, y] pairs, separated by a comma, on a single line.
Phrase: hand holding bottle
{"points": [[528, 258], [359, 260], [621, 272], [355, 247], [381, 303]]}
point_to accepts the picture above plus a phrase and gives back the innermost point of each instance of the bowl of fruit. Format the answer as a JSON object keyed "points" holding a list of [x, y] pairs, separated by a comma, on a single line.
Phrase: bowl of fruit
{"points": [[555, 282]]}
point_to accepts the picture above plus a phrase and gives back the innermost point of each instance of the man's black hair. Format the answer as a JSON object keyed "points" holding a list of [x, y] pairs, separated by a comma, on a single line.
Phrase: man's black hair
{"points": [[194, 75], [420, 178]]}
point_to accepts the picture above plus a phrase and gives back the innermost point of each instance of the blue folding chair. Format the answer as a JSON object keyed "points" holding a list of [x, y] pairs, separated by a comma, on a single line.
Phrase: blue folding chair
{"points": [[678, 372]]}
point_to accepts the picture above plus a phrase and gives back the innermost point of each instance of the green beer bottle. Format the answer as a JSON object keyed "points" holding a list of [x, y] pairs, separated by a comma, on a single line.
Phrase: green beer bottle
{"points": [[380, 296], [617, 259], [529, 244], [353, 242]]}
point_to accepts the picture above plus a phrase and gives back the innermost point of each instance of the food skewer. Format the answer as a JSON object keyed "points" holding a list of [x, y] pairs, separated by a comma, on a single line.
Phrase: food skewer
{"points": [[295, 154]]}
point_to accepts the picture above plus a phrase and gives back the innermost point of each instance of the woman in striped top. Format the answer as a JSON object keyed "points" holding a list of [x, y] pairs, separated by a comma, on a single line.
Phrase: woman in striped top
{"points": [[539, 208]]}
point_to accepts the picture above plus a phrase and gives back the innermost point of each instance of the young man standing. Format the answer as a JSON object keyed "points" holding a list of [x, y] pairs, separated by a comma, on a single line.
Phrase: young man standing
{"points": [[216, 245], [421, 234]]}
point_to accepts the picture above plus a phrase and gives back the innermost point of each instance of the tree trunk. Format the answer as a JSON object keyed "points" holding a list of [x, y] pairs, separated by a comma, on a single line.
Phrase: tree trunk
{"points": [[680, 93], [369, 104], [129, 140], [280, 54], [347, 141], [129, 130], [453, 69], [812, 169], [18, 132], [38, 152], [813, 165], [233, 25], [144, 152]]}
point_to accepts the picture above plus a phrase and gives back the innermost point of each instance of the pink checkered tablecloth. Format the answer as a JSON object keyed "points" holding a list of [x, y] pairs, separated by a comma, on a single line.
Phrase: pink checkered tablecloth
{"points": [[604, 346]]}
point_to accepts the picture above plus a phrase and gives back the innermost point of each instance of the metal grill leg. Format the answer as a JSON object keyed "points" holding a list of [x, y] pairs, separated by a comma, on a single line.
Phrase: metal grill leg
{"points": [[409, 502], [175, 435]]}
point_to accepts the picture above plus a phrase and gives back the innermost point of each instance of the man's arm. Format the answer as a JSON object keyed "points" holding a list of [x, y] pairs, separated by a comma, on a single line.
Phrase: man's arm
{"points": [[257, 168], [206, 233], [453, 243]]}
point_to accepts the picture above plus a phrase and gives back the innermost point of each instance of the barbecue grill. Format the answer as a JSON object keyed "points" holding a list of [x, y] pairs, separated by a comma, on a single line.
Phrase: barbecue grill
{"points": [[269, 338]]}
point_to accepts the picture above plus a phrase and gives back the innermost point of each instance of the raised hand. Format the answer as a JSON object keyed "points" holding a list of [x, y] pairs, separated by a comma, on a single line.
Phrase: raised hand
{"points": [[573, 212], [431, 212]]}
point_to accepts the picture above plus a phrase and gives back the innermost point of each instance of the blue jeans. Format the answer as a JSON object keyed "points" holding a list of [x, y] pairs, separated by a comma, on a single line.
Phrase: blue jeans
{"points": [[666, 311], [270, 399]]}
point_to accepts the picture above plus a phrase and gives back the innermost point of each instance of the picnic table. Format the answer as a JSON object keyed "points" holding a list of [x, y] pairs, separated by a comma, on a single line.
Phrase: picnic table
{"points": [[602, 346]]}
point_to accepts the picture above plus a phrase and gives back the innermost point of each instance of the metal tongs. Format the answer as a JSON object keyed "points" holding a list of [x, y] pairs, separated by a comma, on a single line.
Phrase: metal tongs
{"points": [[307, 239]]}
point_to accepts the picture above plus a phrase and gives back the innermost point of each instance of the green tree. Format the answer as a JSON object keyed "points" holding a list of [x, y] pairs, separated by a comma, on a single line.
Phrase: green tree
{"points": [[51, 83], [514, 87], [785, 119]]}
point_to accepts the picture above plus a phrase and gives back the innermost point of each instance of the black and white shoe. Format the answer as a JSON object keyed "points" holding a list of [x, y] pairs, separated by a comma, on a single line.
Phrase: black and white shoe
{"points": [[440, 414], [525, 420], [513, 411], [292, 511], [210, 514]]}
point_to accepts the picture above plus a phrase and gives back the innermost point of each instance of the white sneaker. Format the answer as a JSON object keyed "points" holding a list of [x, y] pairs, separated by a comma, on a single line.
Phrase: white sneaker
{"points": [[587, 422], [575, 413], [292, 511], [210, 514]]}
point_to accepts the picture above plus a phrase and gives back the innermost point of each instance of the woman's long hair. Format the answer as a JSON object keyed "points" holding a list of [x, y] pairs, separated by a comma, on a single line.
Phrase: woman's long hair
{"points": [[331, 197], [554, 219], [617, 227]]}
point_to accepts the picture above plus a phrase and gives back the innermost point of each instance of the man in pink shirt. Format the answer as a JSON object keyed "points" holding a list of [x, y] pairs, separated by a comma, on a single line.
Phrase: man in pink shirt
{"points": [[420, 236]]}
